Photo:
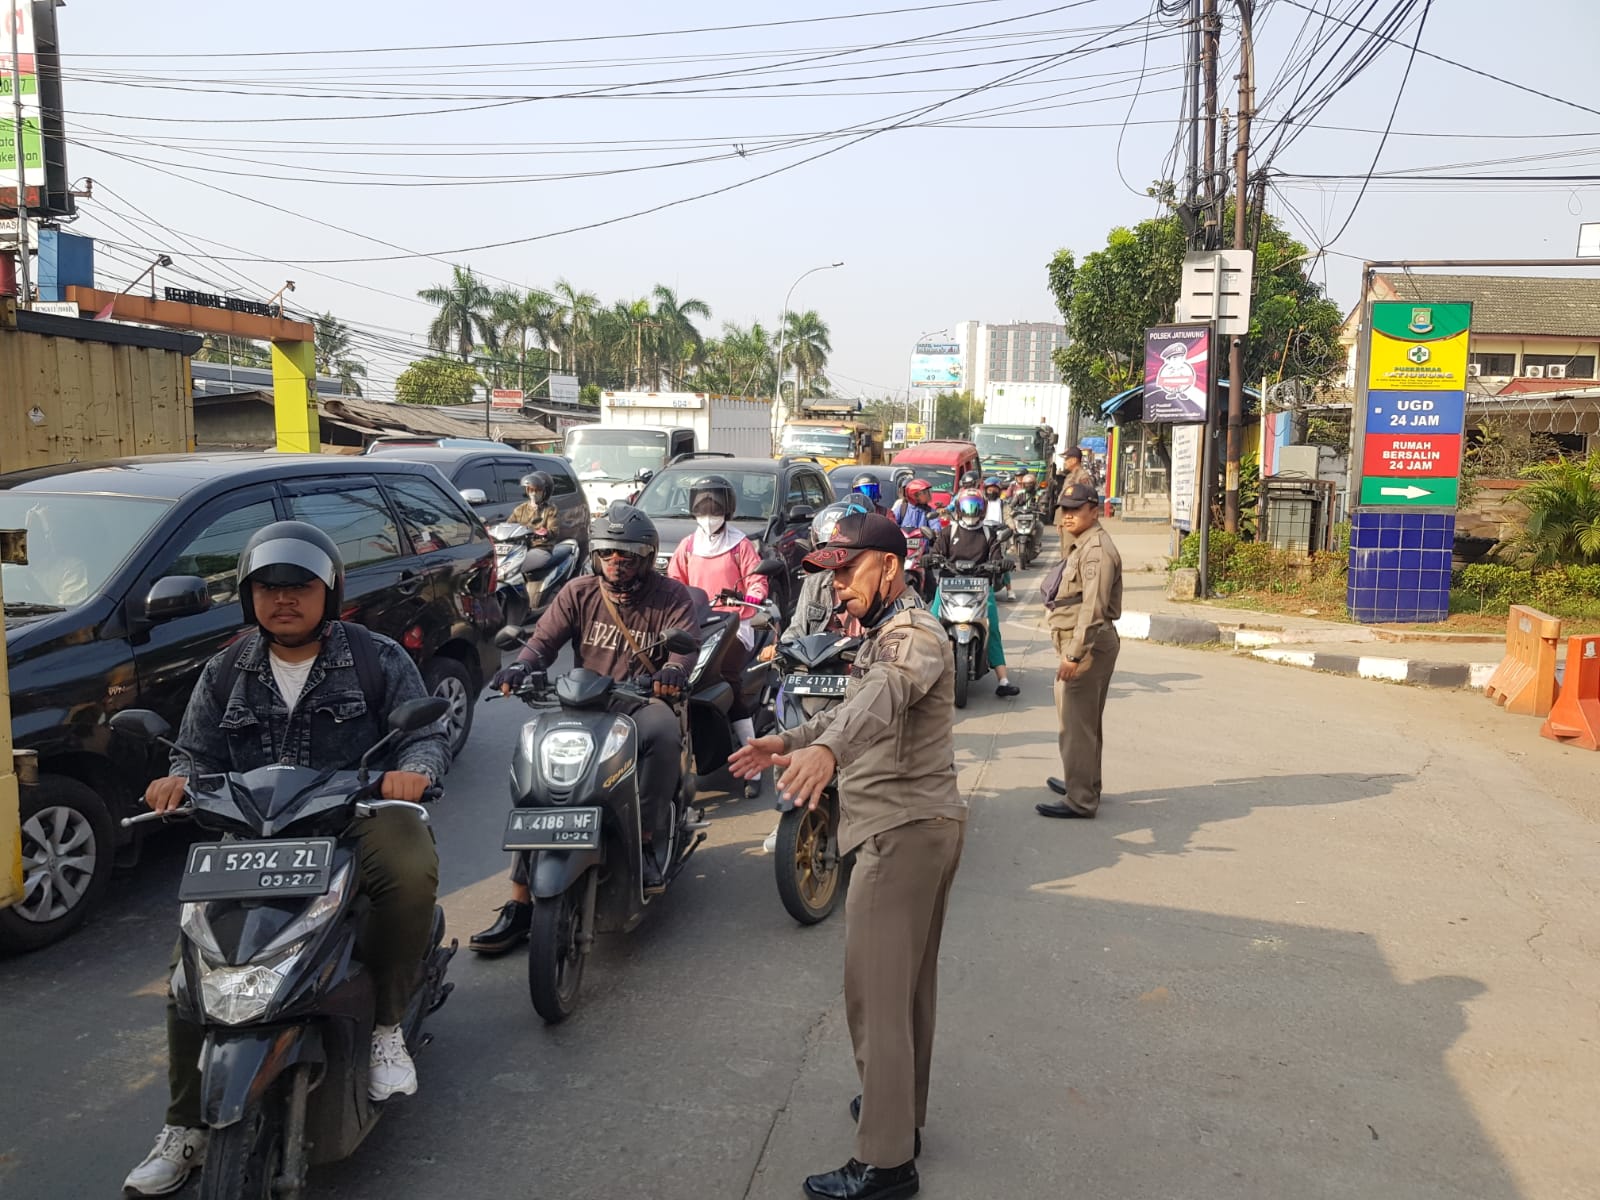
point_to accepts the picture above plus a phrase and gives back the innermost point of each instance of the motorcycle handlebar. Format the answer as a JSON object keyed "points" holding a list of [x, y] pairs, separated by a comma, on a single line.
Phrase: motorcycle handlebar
{"points": [[182, 812]]}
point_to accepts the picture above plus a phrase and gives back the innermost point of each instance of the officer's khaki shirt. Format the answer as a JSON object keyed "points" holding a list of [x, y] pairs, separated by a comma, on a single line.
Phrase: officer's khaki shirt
{"points": [[1089, 595], [894, 734]]}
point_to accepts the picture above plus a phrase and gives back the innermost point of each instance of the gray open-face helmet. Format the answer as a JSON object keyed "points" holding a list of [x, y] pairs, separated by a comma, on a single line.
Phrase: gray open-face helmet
{"points": [[287, 553]]}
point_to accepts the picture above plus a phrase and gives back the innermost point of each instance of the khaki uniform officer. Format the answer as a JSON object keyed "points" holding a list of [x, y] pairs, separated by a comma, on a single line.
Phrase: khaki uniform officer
{"points": [[892, 743], [1072, 472], [1083, 596]]}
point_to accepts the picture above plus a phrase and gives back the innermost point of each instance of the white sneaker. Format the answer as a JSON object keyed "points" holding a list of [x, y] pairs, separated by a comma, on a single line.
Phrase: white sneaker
{"points": [[177, 1153], [392, 1073], [770, 846]]}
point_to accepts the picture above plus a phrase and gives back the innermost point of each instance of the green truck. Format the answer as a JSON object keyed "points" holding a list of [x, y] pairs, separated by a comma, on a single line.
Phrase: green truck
{"points": [[1007, 448]]}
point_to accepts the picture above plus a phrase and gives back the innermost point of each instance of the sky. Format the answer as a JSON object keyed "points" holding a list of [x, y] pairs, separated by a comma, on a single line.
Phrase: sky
{"points": [[1005, 130]]}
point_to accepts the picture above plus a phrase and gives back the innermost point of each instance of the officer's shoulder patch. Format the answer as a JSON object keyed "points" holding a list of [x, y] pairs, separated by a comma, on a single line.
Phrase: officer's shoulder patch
{"points": [[889, 645]]}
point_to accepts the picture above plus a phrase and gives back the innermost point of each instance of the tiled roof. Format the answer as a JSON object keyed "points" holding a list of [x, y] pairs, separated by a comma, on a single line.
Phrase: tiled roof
{"points": [[1566, 307]]}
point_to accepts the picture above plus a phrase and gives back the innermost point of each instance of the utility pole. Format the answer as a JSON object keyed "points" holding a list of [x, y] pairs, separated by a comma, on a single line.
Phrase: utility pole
{"points": [[24, 266], [1241, 208], [1192, 189], [1210, 28]]}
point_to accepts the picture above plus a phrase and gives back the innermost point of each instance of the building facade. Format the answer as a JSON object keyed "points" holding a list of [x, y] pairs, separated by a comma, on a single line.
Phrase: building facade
{"points": [[1009, 367]]}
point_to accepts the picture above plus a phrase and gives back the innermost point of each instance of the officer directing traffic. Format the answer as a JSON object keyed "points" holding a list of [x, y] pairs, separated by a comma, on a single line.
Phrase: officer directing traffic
{"points": [[892, 743], [1083, 596]]}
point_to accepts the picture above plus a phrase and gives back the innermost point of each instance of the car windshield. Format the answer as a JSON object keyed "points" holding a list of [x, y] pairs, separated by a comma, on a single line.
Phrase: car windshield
{"points": [[616, 454], [1003, 442], [68, 537], [667, 495], [799, 439], [940, 479]]}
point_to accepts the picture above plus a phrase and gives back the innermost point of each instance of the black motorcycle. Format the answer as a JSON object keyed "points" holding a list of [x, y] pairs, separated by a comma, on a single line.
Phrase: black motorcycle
{"points": [[964, 589], [810, 872], [268, 966], [1026, 521], [575, 783]]}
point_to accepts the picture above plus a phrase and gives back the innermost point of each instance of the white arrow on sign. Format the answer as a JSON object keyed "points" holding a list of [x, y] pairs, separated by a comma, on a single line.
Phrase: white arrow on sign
{"points": [[1411, 491]]}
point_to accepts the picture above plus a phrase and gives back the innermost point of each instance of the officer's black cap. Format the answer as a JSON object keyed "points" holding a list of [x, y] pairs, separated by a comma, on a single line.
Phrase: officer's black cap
{"points": [[1076, 496], [854, 534]]}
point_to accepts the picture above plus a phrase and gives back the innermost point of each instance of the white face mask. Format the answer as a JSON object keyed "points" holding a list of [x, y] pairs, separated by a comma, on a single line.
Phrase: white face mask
{"points": [[711, 526]]}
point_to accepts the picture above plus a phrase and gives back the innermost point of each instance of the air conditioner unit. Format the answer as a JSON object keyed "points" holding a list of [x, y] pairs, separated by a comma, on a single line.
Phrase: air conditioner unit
{"points": [[1474, 369], [1556, 371], [1533, 372]]}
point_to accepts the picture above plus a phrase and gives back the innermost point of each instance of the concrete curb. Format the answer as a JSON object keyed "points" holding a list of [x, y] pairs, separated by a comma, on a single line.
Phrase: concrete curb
{"points": [[1267, 645]]}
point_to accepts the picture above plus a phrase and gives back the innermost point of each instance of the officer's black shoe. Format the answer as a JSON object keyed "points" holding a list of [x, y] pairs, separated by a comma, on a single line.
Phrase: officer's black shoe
{"points": [[1058, 786], [509, 928], [1059, 809], [857, 1181], [855, 1115]]}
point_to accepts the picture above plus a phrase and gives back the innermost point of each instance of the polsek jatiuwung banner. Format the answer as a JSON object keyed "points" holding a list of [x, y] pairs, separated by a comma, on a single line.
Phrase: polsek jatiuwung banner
{"points": [[1177, 365]]}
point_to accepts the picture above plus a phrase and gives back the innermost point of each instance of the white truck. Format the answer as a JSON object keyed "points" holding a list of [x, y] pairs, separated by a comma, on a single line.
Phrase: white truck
{"points": [[640, 432]]}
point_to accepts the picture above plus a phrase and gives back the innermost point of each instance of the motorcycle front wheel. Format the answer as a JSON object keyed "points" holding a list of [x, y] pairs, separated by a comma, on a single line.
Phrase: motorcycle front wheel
{"points": [[555, 956], [806, 859], [963, 671], [243, 1159]]}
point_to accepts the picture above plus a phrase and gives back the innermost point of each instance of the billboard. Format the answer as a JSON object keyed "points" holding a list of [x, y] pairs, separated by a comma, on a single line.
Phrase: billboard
{"points": [[510, 398], [563, 389], [937, 366], [1177, 368], [44, 152]]}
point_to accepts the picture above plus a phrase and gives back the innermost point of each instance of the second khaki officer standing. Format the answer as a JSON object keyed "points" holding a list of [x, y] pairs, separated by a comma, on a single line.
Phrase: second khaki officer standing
{"points": [[892, 743], [1072, 472], [1083, 596]]}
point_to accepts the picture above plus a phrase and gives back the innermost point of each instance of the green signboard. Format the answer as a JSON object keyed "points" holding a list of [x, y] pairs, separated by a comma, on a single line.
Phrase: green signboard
{"points": [[1410, 493], [32, 149], [1420, 322]]}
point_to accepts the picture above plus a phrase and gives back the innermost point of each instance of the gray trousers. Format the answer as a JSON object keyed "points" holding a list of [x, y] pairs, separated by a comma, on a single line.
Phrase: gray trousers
{"points": [[1080, 707], [894, 917]]}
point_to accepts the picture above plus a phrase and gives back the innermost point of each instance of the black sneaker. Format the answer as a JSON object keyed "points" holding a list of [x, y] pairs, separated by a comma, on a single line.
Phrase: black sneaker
{"points": [[1008, 689], [509, 928]]}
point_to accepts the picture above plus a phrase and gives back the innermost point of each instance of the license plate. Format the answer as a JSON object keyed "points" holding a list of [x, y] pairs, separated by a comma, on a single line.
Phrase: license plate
{"points": [[964, 583], [815, 685], [240, 870], [553, 829]]}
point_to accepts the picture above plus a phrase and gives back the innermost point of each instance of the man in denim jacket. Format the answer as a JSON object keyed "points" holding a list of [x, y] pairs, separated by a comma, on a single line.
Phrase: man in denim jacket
{"points": [[291, 692]]}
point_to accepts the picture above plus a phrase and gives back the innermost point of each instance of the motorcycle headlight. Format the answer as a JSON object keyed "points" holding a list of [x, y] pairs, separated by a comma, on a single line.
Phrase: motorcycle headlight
{"points": [[234, 995], [563, 753], [614, 739]]}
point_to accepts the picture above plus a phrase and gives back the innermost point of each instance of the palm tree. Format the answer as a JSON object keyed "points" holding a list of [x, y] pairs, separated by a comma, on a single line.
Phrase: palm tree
{"points": [[465, 315], [740, 362], [334, 354], [517, 314], [575, 313], [677, 339], [806, 345], [241, 352]]}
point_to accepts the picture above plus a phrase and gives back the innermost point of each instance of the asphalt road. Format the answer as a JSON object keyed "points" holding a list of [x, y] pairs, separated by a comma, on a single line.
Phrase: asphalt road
{"points": [[1326, 940]]}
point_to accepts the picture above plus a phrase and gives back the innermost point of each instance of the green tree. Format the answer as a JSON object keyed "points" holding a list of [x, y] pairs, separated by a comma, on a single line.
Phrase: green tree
{"points": [[437, 381], [242, 352], [466, 314], [741, 362], [516, 315], [335, 356], [955, 413], [1563, 503], [678, 341], [574, 330], [805, 345], [1115, 293]]}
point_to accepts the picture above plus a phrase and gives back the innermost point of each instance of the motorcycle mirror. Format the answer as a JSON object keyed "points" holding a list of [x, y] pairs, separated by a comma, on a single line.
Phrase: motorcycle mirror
{"points": [[141, 723], [1007, 534], [418, 714], [509, 638], [772, 565], [677, 641]]}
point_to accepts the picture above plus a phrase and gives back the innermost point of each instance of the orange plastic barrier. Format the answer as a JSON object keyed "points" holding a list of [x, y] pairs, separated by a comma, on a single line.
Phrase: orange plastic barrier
{"points": [[1525, 680], [1575, 719]]}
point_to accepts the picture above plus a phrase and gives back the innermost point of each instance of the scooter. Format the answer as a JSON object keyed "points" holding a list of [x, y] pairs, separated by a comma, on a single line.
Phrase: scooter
{"points": [[1026, 523], [528, 577], [270, 924], [806, 859], [575, 786], [918, 543], [964, 610]]}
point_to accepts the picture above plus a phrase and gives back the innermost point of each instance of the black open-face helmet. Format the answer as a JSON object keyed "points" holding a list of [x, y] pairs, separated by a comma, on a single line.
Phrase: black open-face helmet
{"points": [[715, 488], [289, 553], [969, 480], [867, 484]]}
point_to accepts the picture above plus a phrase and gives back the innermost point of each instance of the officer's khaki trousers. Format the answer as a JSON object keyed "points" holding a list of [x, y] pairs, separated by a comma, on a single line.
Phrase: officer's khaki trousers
{"points": [[1080, 706], [894, 916]]}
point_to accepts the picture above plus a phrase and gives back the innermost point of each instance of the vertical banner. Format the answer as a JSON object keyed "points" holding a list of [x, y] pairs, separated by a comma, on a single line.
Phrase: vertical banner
{"points": [[18, 15], [1185, 479], [1415, 406], [1177, 374]]}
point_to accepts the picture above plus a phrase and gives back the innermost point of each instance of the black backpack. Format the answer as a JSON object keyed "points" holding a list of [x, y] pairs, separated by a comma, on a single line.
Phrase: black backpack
{"points": [[363, 654]]}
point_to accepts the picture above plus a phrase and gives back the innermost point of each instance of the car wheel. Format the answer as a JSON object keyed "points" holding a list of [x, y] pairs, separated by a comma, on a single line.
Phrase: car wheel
{"points": [[448, 679], [67, 856]]}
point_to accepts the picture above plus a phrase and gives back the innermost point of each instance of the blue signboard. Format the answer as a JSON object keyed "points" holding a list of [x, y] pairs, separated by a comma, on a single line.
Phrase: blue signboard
{"points": [[1416, 412]]}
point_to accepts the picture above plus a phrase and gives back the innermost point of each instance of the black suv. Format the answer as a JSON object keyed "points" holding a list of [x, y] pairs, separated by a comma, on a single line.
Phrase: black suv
{"points": [[777, 499], [491, 481], [81, 645]]}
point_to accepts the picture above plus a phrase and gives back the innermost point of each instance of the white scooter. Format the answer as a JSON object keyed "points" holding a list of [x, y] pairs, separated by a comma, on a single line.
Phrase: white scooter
{"points": [[528, 577]]}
